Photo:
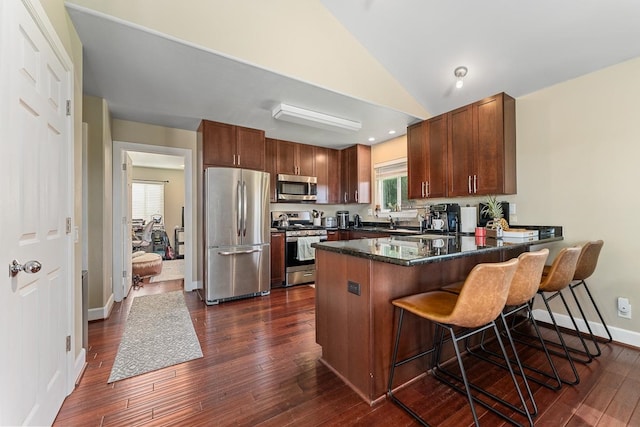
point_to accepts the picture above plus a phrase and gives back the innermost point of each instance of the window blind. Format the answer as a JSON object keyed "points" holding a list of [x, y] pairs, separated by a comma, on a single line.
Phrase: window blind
{"points": [[147, 199]]}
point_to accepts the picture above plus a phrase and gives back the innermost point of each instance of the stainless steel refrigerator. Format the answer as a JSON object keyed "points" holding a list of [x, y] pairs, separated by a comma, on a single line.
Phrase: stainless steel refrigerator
{"points": [[237, 234]]}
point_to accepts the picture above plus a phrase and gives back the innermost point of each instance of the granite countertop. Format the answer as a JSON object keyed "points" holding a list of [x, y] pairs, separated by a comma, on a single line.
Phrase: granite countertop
{"points": [[426, 248]]}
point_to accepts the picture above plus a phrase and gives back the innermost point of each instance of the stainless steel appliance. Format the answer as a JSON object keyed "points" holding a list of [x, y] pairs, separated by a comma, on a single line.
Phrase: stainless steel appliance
{"points": [[330, 222], [343, 219], [357, 221], [237, 234], [300, 262], [297, 188], [445, 217]]}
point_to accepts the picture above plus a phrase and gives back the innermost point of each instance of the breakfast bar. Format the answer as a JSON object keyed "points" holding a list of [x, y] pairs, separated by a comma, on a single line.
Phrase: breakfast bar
{"points": [[356, 280]]}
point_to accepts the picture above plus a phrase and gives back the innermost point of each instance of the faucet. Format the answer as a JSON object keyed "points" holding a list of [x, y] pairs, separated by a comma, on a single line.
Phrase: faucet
{"points": [[392, 223]]}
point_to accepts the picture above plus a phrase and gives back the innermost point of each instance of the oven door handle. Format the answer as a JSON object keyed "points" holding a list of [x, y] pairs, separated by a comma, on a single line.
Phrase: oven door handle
{"points": [[250, 251]]}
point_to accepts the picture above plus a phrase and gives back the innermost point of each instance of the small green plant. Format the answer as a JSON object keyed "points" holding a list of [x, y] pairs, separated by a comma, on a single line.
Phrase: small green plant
{"points": [[493, 208]]}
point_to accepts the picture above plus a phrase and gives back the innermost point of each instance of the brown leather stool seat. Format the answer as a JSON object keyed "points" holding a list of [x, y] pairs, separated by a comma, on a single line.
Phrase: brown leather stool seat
{"points": [[524, 287], [474, 310], [558, 277]]}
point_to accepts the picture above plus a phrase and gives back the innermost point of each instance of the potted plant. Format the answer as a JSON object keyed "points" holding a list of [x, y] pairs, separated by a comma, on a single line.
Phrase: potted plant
{"points": [[493, 209]]}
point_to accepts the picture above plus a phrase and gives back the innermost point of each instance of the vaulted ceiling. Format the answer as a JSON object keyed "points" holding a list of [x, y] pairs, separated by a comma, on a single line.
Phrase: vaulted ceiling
{"points": [[513, 46]]}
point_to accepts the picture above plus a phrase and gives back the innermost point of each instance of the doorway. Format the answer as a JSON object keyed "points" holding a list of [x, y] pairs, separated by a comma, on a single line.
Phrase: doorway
{"points": [[121, 205]]}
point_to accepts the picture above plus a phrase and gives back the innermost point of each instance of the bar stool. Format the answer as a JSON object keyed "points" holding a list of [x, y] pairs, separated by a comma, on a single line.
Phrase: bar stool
{"points": [[559, 276], [523, 289], [474, 310], [587, 263]]}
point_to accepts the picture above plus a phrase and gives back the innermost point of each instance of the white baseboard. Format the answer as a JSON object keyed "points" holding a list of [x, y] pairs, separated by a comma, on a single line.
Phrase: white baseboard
{"points": [[101, 312], [80, 363], [622, 336]]}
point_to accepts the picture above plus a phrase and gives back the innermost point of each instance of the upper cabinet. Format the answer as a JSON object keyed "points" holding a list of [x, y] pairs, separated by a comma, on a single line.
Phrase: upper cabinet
{"points": [[295, 159], [482, 148], [467, 151], [328, 173], [271, 166], [355, 174], [427, 158], [231, 146]]}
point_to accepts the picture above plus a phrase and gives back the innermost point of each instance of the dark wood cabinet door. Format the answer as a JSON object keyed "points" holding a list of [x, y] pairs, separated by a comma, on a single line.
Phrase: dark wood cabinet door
{"points": [[250, 148], [333, 168], [344, 235], [328, 173], [363, 174], [322, 173], [286, 157], [416, 158], [436, 156], [460, 152], [333, 235], [218, 144], [277, 259], [494, 132], [345, 156], [306, 160], [271, 167]]}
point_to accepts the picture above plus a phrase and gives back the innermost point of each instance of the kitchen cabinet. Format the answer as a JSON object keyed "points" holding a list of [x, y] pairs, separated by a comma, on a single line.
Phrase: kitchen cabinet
{"points": [[482, 148], [328, 174], [361, 234], [277, 258], [231, 146], [333, 235], [427, 158], [271, 166], [295, 159], [355, 174], [344, 235]]}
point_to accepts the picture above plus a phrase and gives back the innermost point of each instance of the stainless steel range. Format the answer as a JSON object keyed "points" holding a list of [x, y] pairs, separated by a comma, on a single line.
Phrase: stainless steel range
{"points": [[300, 233]]}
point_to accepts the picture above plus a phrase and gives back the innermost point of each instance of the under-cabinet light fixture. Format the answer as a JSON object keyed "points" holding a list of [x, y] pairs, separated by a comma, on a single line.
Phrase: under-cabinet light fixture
{"points": [[460, 72], [306, 117]]}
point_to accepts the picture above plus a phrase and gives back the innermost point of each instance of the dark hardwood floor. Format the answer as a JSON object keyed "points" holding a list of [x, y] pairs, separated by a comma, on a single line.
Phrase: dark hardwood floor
{"points": [[261, 368]]}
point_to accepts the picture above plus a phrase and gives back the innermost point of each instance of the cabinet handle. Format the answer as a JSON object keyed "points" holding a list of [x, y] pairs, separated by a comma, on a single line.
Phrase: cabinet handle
{"points": [[356, 194], [469, 184], [234, 160], [426, 189], [475, 184], [422, 189], [238, 159], [345, 197]]}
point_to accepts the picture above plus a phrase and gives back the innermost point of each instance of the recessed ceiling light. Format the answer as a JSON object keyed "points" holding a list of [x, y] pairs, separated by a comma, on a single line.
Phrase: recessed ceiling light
{"points": [[392, 132], [371, 139]]}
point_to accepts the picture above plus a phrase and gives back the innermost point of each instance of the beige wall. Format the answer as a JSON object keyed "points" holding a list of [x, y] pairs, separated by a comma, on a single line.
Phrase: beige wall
{"points": [[173, 195], [99, 159], [61, 22], [577, 167], [299, 39]]}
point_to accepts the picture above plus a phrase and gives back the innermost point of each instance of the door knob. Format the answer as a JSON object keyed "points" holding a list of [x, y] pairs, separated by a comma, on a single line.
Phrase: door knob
{"points": [[29, 267]]}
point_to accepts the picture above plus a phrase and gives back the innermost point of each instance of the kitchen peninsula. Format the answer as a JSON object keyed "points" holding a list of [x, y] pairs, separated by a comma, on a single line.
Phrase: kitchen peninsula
{"points": [[356, 280]]}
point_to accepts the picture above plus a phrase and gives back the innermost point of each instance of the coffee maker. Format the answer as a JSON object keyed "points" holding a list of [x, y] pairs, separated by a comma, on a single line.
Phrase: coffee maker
{"points": [[445, 217]]}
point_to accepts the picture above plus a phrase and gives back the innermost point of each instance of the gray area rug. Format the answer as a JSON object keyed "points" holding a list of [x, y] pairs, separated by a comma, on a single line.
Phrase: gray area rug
{"points": [[158, 333]]}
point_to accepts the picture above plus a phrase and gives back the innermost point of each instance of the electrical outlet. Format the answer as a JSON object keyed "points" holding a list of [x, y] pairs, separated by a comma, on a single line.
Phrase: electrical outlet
{"points": [[512, 209], [370, 212], [624, 308], [513, 219]]}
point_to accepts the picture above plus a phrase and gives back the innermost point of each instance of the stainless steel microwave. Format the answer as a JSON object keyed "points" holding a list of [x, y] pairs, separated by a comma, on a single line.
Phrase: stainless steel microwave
{"points": [[297, 188]]}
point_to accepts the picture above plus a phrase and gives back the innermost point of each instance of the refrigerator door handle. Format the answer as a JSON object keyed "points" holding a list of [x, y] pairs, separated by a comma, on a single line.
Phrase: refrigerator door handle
{"points": [[239, 208], [250, 251], [244, 208]]}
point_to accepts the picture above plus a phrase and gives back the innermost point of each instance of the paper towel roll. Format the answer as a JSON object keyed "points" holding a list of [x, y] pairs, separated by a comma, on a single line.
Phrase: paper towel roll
{"points": [[468, 219]]}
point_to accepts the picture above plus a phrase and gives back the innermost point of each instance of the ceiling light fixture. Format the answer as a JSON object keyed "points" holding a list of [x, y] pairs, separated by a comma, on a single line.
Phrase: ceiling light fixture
{"points": [[460, 72], [306, 117]]}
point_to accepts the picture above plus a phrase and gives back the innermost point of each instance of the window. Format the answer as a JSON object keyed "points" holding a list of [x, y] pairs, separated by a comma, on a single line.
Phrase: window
{"points": [[392, 184], [147, 199]]}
